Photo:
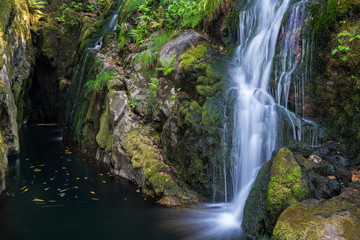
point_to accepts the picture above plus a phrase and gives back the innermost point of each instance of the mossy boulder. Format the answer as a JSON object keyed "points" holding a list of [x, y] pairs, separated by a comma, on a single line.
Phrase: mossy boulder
{"points": [[279, 184], [3, 165], [146, 158], [336, 218]]}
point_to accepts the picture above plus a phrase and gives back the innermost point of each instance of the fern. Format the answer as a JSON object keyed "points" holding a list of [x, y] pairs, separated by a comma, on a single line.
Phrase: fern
{"points": [[99, 82], [36, 5], [167, 66]]}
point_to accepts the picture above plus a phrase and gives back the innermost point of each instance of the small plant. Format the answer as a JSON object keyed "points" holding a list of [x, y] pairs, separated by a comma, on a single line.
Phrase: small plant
{"points": [[63, 9], [91, 8], [77, 6], [36, 5], [99, 82], [133, 104], [167, 67], [343, 48], [146, 60], [153, 93]]}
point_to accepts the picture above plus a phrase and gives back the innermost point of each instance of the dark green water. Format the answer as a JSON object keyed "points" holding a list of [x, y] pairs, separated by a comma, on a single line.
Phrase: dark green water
{"points": [[55, 193]]}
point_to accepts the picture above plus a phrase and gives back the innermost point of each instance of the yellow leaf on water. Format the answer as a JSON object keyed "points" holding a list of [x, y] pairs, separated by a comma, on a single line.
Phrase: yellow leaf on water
{"points": [[92, 192], [44, 183], [26, 190], [77, 178], [95, 199], [51, 179], [37, 170], [46, 189], [32, 166], [137, 190], [76, 196], [104, 181], [63, 168], [38, 200], [76, 187]]}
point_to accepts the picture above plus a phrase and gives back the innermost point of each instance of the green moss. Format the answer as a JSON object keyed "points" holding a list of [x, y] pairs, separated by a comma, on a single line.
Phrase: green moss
{"points": [[104, 137], [2, 164], [286, 186], [312, 220], [189, 58], [163, 183]]}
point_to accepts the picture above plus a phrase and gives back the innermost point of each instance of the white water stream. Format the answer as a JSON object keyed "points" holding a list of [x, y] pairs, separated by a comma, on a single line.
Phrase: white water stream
{"points": [[263, 24]]}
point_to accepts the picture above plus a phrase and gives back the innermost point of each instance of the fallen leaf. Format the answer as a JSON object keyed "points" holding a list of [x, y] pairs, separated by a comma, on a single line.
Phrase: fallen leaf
{"points": [[104, 181], [137, 190], [95, 199], [92, 192], [26, 190], [38, 200]]}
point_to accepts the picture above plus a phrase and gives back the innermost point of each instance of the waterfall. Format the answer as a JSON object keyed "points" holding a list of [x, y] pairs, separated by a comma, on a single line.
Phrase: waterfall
{"points": [[74, 95], [255, 116]]}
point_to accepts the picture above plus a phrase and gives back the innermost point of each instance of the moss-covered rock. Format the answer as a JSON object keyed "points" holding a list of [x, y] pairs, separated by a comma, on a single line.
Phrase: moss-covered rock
{"points": [[336, 218], [279, 184], [3, 165]]}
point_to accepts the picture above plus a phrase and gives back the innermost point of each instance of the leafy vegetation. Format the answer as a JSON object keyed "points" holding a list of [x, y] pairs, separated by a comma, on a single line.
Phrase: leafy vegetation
{"points": [[99, 82], [342, 47], [36, 5], [167, 66]]}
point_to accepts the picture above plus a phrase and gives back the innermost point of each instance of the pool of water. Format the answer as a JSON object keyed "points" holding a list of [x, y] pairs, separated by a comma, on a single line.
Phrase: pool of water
{"points": [[54, 192]]}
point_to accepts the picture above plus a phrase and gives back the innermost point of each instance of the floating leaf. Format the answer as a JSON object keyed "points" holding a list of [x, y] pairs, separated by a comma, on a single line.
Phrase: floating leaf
{"points": [[137, 190], [104, 181], [38, 200], [94, 199], [46, 189], [92, 192], [37, 170], [26, 190]]}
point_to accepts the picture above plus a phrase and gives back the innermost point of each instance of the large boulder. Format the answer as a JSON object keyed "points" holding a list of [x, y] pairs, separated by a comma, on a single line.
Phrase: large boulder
{"points": [[279, 184], [336, 218]]}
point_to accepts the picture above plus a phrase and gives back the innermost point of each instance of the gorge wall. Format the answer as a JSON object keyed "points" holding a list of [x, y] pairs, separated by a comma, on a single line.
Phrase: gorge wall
{"points": [[150, 97]]}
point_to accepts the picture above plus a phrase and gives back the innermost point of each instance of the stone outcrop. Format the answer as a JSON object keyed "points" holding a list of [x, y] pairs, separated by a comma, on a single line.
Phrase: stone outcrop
{"points": [[336, 218], [279, 184]]}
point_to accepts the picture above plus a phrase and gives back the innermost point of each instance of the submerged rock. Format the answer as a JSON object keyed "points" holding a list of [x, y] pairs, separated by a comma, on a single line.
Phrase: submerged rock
{"points": [[336, 218]]}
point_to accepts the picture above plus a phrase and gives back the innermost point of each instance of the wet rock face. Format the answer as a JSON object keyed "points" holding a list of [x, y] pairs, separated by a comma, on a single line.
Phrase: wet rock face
{"points": [[336, 218], [279, 184], [17, 57]]}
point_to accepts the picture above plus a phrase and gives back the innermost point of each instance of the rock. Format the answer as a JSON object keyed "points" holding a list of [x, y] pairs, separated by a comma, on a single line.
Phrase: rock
{"points": [[170, 201], [138, 88], [336, 218], [314, 158], [165, 100], [180, 44], [278, 185], [298, 147]]}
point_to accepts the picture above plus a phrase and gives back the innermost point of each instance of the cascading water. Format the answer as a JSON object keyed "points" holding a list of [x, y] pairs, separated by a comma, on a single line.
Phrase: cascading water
{"points": [[73, 97], [255, 117], [271, 47]]}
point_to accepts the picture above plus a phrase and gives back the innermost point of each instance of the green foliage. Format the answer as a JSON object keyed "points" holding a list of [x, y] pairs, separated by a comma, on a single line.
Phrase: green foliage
{"points": [[77, 6], [36, 5], [343, 48], [99, 82], [159, 39], [153, 93], [63, 9], [167, 66], [91, 8], [147, 60]]}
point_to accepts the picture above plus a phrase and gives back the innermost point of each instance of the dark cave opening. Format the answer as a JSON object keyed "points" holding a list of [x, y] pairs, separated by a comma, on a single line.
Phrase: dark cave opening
{"points": [[44, 93]]}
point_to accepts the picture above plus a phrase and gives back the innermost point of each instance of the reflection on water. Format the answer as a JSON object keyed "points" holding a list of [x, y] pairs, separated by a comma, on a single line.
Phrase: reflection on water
{"points": [[54, 192]]}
